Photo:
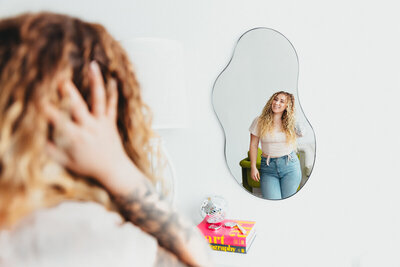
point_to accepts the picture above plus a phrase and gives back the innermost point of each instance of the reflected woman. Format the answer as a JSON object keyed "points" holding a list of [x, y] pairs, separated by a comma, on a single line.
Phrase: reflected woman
{"points": [[280, 172]]}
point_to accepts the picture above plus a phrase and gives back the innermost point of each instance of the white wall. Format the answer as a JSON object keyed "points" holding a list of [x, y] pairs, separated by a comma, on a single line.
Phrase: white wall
{"points": [[349, 86]]}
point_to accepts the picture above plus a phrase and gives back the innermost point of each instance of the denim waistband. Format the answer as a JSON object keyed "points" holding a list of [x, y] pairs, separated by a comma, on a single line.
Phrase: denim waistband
{"points": [[288, 157]]}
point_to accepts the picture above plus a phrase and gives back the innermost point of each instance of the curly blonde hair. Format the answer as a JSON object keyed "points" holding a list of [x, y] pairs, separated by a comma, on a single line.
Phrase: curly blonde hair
{"points": [[266, 119], [35, 50]]}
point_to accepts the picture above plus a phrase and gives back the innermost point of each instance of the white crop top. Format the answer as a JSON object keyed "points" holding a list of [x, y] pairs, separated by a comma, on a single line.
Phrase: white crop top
{"points": [[273, 144]]}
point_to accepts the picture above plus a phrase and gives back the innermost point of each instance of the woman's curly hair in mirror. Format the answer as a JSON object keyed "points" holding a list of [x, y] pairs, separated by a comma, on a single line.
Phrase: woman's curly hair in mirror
{"points": [[266, 119]]}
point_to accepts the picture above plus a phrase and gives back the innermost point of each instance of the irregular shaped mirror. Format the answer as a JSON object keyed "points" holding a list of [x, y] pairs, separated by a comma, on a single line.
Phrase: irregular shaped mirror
{"points": [[263, 63]]}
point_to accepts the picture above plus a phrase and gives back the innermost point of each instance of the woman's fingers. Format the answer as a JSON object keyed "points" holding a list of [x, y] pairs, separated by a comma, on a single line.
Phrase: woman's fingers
{"points": [[52, 114], [64, 128], [57, 154], [112, 100], [78, 107], [256, 176], [97, 90]]}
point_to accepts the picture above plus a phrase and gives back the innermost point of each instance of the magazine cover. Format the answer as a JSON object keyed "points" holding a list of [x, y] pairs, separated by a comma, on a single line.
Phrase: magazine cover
{"points": [[227, 236]]}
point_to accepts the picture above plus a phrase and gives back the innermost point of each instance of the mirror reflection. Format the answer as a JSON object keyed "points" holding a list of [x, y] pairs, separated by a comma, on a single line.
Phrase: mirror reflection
{"points": [[269, 143]]}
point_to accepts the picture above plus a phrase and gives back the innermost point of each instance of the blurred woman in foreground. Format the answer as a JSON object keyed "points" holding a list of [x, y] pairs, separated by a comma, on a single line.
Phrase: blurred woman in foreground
{"points": [[74, 142]]}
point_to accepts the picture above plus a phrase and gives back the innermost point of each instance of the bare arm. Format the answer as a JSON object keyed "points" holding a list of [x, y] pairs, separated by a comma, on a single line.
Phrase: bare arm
{"points": [[254, 140], [89, 144], [139, 203]]}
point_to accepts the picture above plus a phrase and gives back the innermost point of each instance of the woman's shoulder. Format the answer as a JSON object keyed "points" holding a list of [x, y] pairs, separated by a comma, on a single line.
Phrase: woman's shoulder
{"points": [[255, 121], [253, 126], [81, 233]]}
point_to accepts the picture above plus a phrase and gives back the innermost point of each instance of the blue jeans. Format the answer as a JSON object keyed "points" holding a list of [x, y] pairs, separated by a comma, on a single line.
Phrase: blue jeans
{"points": [[281, 178]]}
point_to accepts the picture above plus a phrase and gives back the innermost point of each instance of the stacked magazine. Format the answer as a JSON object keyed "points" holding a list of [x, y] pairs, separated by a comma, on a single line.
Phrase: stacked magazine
{"points": [[229, 235]]}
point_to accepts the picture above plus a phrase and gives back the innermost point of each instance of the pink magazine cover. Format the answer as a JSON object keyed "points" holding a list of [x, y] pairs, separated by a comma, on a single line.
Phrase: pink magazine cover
{"points": [[229, 239]]}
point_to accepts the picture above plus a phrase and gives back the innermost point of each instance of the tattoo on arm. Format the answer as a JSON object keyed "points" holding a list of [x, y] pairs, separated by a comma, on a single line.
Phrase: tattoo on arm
{"points": [[144, 208]]}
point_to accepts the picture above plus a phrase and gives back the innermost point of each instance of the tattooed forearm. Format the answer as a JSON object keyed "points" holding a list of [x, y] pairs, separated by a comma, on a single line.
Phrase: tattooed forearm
{"points": [[155, 218], [144, 208]]}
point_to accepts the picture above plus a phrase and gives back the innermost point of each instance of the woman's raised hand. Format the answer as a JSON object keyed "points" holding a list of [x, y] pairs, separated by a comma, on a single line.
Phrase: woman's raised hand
{"points": [[87, 142]]}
